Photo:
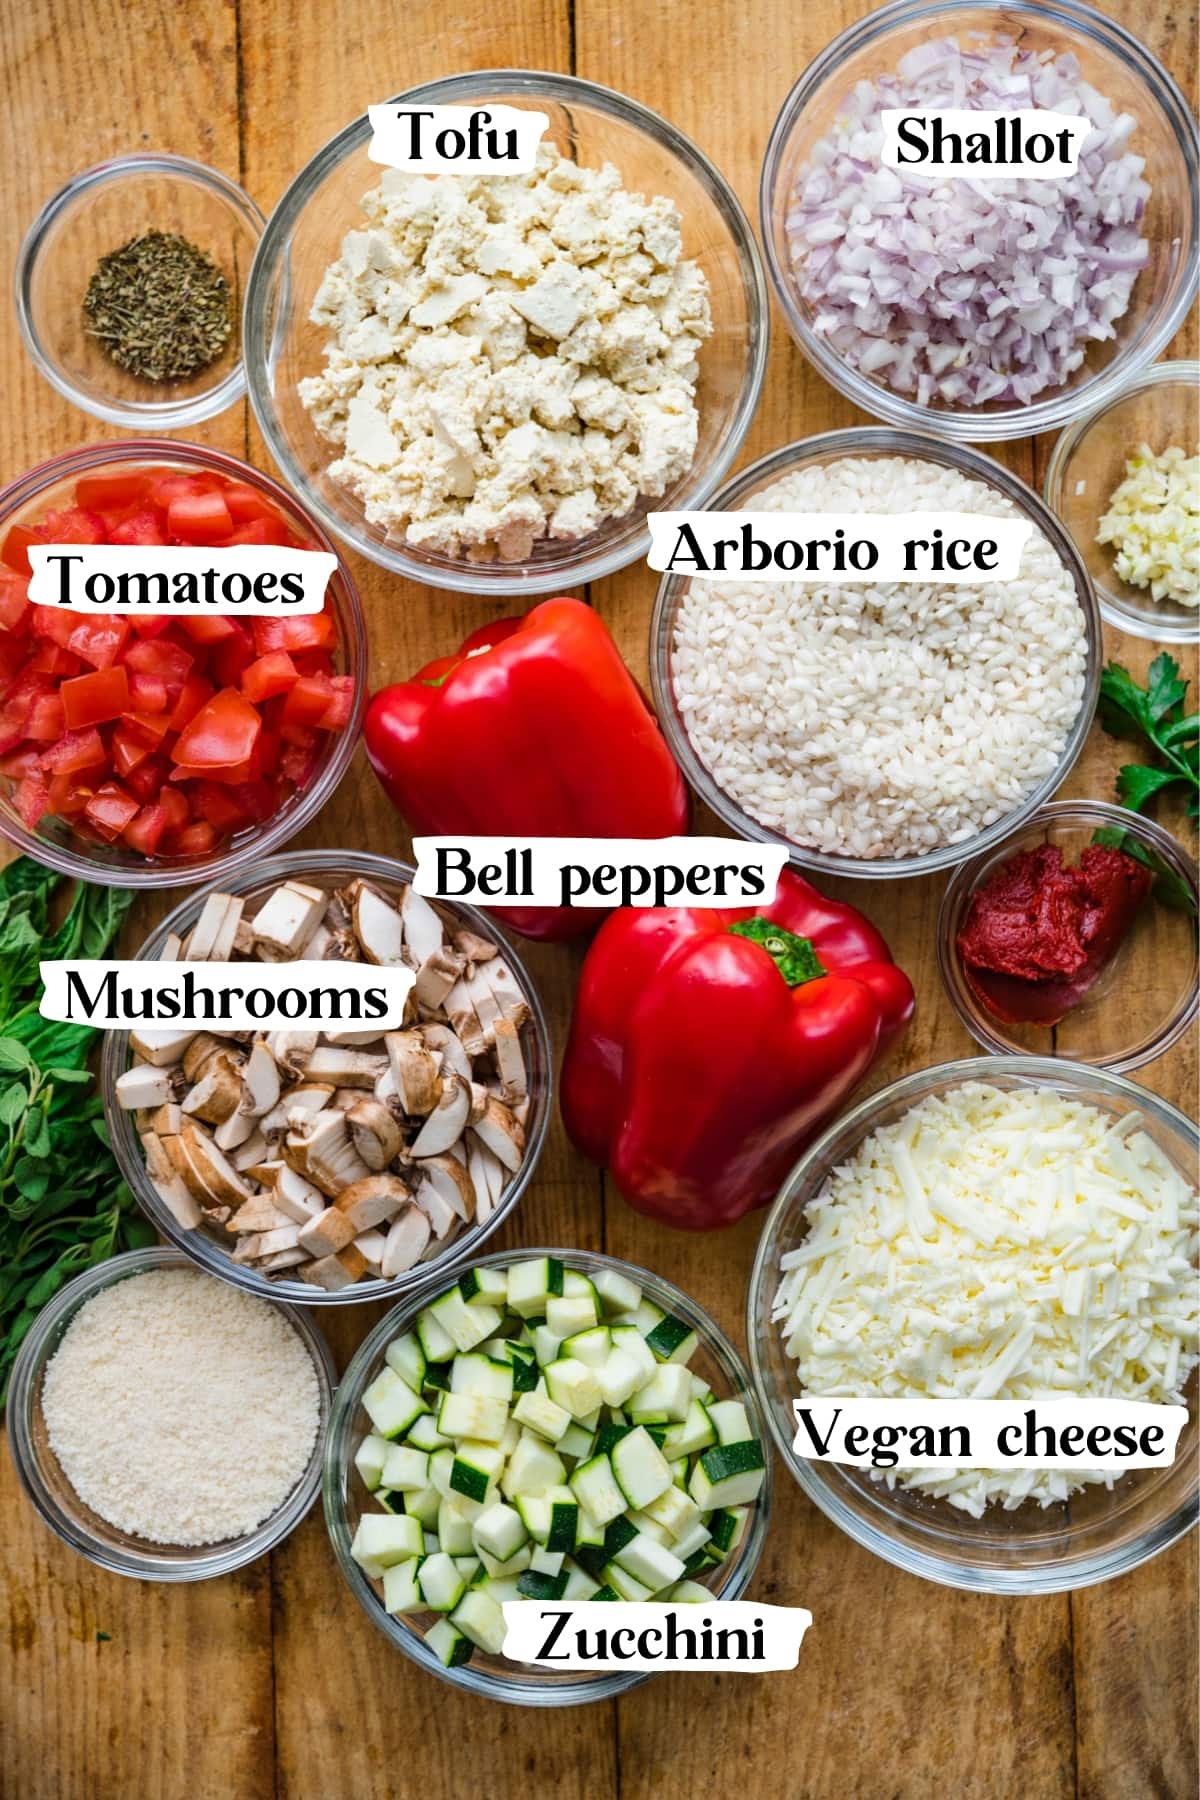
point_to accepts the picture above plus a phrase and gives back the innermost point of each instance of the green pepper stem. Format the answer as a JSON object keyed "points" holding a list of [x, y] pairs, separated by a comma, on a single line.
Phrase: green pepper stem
{"points": [[793, 956]]}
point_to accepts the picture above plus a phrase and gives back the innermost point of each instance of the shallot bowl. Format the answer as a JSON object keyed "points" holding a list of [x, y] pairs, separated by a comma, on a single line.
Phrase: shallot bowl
{"points": [[1162, 136]]}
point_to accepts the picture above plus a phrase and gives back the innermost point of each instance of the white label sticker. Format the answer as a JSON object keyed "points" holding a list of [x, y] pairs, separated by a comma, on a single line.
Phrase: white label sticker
{"points": [[546, 871], [455, 140], [243, 578], [247, 996], [948, 547], [988, 1434], [988, 146], [734, 1636]]}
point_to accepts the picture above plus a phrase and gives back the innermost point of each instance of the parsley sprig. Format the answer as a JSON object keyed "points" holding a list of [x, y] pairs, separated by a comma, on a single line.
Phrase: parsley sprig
{"points": [[1154, 713]]}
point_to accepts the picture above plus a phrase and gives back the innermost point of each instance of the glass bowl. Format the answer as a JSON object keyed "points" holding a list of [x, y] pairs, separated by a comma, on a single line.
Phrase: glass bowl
{"points": [[1159, 407], [738, 494], [329, 869], [1032, 1550], [1157, 959], [496, 1677], [592, 125], [95, 213], [1114, 62], [113, 865], [56, 1500]]}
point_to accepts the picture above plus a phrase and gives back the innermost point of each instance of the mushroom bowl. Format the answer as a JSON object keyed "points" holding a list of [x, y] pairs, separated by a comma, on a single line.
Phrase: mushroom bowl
{"points": [[335, 1165]]}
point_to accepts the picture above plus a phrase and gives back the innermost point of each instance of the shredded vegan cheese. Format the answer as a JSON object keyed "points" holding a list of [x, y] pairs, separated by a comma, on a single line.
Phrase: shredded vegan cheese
{"points": [[998, 1245], [1153, 524]]}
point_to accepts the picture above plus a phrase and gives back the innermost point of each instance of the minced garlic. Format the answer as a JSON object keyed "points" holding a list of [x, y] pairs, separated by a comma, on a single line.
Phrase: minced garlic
{"points": [[1153, 523]]}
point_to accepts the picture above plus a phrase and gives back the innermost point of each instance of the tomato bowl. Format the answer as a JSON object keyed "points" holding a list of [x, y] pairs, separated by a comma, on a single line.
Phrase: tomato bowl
{"points": [[144, 752]]}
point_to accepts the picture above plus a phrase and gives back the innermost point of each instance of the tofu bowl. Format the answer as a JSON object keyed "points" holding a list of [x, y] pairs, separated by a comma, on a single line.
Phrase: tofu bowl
{"points": [[551, 1424], [335, 1167], [500, 421]]}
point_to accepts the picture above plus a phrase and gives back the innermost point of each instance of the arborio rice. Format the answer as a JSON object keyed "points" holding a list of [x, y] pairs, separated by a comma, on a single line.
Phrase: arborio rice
{"points": [[881, 720]]}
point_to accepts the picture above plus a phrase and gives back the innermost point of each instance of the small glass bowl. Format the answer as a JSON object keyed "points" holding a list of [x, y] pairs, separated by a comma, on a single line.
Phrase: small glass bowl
{"points": [[1160, 407], [1157, 959], [113, 865], [1119, 67], [738, 495], [1099, 1532], [329, 869], [95, 213], [592, 125], [56, 1500], [345, 1497]]}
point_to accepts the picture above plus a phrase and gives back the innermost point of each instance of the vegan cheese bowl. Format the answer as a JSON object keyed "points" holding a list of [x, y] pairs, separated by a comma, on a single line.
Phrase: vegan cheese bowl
{"points": [[612, 1309], [299, 400], [309, 1168], [879, 729], [988, 1539]]}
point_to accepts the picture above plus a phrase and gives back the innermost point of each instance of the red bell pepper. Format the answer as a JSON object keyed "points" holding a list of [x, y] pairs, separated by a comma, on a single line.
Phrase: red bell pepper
{"points": [[708, 1047], [535, 728]]}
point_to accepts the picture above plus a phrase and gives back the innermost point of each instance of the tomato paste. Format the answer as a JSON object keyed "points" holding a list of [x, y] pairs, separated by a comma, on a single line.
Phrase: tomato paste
{"points": [[1039, 931]]}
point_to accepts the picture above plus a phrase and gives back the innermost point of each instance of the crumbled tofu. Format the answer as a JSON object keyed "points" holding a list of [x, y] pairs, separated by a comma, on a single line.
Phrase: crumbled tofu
{"points": [[512, 357]]}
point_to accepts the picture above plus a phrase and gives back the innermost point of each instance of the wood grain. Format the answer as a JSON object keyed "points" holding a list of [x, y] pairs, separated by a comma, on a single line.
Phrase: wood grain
{"points": [[273, 1683]]}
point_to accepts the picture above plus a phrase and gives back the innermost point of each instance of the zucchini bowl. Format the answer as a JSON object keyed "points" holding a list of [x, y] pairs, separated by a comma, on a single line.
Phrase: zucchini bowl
{"points": [[545, 1425]]}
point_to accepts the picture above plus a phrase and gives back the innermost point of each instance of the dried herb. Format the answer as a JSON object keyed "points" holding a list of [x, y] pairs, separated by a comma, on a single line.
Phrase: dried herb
{"points": [[159, 307]]}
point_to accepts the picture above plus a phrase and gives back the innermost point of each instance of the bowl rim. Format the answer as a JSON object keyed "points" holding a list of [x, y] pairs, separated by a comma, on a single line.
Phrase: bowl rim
{"points": [[515, 1691], [958, 424], [259, 346], [196, 1246], [868, 440], [855, 1124], [958, 889], [161, 415], [68, 860], [203, 1561], [1184, 372]]}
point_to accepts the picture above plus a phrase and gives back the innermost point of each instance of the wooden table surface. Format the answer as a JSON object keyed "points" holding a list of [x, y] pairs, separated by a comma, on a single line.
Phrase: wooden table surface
{"points": [[271, 1681]]}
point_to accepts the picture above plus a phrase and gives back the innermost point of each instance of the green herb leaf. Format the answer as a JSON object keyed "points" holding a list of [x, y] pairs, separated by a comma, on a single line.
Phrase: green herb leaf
{"points": [[14, 1057], [1136, 784], [1169, 889], [1164, 689], [13, 1101], [37, 1133]]}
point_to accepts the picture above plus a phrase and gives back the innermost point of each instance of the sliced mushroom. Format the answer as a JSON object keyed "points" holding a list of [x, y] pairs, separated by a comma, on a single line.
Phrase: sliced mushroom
{"points": [[473, 947], [378, 927], [330, 1159], [168, 1184], [237, 1129], [218, 1092], [487, 1007], [328, 1233], [510, 1059], [479, 1100], [371, 1246], [441, 1039], [214, 1170], [213, 935], [336, 1272], [252, 1151], [167, 1119], [356, 1040], [436, 976], [370, 1202], [259, 1213], [375, 1131], [292, 1049], [260, 1081], [301, 1098], [200, 1052], [160, 1047], [460, 1010], [344, 1068], [504, 986], [423, 930], [487, 1178], [287, 919], [296, 1197], [283, 1259], [501, 1134], [418, 1084], [146, 1086], [172, 949], [447, 1122], [449, 1180], [406, 1242]]}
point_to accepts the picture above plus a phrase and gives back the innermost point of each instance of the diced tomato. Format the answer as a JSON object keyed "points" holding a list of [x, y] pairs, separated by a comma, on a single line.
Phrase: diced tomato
{"points": [[98, 641], [257, 800], [75, 751], [231, 656], [31, 798], [147, 694], [16, 546], [145, 830], [316, 632], [172, 484], [13, 652], [146, 779], [47, 719], [308, 701], [245, 502], [228, 774], [313, 662], [195, 692], [136, 737], [90, 699], [143, 527], [258, 531], [208, 631], [270, 674], [223, 732], [268, 751], [220, 805], [20, 763], [110, 810], [73, 525], [299, 765], [337, 714], [50, 659], [105, 489], [148, 728], [14, 603], [69, 795], [199, 518], [174, 803], [196, 839], [150, 628], [162, 657], [57, 627]]}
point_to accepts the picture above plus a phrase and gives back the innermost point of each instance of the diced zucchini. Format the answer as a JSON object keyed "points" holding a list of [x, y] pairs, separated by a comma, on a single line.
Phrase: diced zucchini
{"points": [[679, 1470], [533, 1468], [423, 1505], [501, 1589], [423, 1434], [617, 1293], [726, 1527], [647, 1317], [405, 1355], [547, 1562], [441, 1585], [674, 1509], [391, 1405], [666, 1395], [640, 1468], [449, 1645], [576, 1284], [580, 1585], [488, 1287], [477, 1466], [596, 1488], [650, 1562], [500, 1531], [569, 1314], [406, 1468], [620, 1376], [532, 1284], [606, 1592], [672, 1340], [730, 1422], [625, 1585], [564, 1518], [618, 1533], [693, 1539], [513, 1565], [437, 1375], [465, 1325], [689, 1593], [369, 1459], [577, 1442], [573, 1385], [588, 1531], [727, 1475], [534, 1586], [400, 1591], [455, 1528], [543, 1415], [437, 1345], [391, 1499], [642, 1522], [472, 1416], [534, 1510], [479, 1617], [630, 1339], [441, 1468], [610, 1434], [488, 1377], [591, 1347], [381, 1539], [697, 1432]]}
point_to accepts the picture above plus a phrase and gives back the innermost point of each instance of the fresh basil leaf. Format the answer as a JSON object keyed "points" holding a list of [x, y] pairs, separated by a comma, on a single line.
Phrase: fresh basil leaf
{"points": [[31, 1176], [13, 1101], [14, 1057]]}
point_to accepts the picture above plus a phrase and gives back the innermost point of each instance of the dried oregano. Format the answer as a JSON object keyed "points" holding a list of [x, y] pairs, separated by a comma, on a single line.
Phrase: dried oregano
{"points": [[160, 307]]}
